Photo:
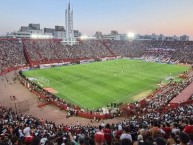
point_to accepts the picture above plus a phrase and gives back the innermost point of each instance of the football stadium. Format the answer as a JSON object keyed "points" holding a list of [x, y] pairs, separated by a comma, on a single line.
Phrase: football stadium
{"points": [[58, 87]]}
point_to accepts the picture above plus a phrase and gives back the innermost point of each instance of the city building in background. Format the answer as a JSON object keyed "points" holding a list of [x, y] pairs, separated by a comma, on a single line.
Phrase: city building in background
{"points": [[69, 36], [98, 35], [114, 35]]}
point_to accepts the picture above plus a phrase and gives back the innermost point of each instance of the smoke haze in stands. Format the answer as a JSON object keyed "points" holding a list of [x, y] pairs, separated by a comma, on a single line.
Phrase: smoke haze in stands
{"points": [[173, 17]]}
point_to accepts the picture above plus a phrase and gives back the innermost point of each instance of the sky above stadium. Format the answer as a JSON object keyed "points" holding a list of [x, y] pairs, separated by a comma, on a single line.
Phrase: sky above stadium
{"points": [[168, 17]]}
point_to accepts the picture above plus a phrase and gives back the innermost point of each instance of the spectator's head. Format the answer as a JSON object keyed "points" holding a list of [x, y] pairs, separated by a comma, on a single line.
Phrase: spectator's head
{"points": [[177, 140], [191, 121], [100, 127], [81, 140], [160, 141], [167, 124], [35, 141], [149, 140], [28, 139], [99, 138], [108, 126], [139, 137], [184, 138], [49, 143], [120, 127], [14, 140], [115, 142], [126, 141], [191, 137], [172, 135], [174, 125], [127, 129]]}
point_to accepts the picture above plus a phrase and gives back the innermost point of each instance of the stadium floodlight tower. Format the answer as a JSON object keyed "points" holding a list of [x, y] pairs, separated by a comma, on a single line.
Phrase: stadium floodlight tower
{"points": [[69, 39]]}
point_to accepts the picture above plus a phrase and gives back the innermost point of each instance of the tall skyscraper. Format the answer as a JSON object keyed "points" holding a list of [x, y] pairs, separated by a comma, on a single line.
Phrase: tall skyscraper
{"points": [[69, 38], [69, 22]]}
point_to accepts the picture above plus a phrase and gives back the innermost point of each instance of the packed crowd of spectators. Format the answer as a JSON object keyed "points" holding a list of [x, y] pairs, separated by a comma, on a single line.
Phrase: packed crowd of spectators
{"points": [[11, 54], [126, 48], [47, 50], [175, 51], [158, 55], [174, 127], [179, 51], [42, 51], [148, 124], [98, 48]]}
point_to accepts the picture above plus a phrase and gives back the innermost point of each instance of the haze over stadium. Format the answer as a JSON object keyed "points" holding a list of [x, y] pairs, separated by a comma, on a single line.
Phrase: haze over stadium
{"points": [[144, 17]]}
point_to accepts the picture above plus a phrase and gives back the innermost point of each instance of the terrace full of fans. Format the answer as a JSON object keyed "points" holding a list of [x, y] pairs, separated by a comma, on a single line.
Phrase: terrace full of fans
{"points": [[11, 54], [159, 128], [145, 125], [15, 52]]}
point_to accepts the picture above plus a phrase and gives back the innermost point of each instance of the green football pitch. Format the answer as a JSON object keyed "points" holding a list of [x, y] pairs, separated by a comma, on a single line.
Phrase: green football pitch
{"points": [[95, 85]]}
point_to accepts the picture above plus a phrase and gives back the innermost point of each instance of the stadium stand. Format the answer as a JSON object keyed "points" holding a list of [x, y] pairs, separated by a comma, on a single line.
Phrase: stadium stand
{"points": [[34, 51], [171, 127], [12, 55], [47, 51], [152, 120]]}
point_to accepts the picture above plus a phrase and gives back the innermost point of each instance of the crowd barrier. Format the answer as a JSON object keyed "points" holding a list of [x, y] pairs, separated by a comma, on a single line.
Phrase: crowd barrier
{"points": [[92, 116]]}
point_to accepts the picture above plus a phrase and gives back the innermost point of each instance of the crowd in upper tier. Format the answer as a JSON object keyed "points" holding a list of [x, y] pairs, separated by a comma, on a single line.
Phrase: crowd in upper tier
{"points": [[16, 52], [45, 50], [180, 51]]}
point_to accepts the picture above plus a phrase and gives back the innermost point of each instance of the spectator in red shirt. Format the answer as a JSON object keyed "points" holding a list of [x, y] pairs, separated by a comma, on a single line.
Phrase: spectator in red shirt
{"points": [[189, 128], [107, 134], [118, 132], [167, 129]]}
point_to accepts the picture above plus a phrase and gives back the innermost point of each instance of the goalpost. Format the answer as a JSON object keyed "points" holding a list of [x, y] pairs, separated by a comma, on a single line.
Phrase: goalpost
{"points": [[43, 81]]}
